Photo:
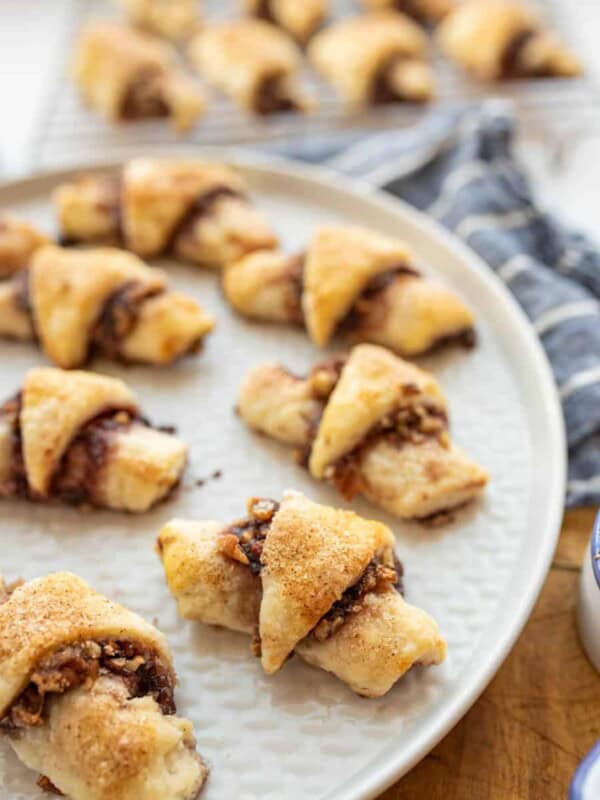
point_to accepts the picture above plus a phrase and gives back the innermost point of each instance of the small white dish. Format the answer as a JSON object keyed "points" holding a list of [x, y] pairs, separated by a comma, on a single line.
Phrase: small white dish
{"points": [[588, 609], [586, 781]]}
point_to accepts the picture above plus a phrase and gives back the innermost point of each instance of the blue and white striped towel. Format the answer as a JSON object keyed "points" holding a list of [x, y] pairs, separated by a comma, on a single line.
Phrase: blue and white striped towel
{"points": [[458, 167]]}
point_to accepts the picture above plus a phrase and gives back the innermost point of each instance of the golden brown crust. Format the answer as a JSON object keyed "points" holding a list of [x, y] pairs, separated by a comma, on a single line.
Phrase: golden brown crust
{"points": [[378, 427], [354, 280], [94, 739], [300, 20], [18, 242], [374, 58], [46, 614], [329, 291], [176, 21], [311, 556], [278, 404], [99, 744], [68, 290], [497, 39], [373, 384], [157, 194], [106, 300], [55, 406], [208, 586], [405, 635], [112, 62], [196, 210], [119, 462], [241, 57]]}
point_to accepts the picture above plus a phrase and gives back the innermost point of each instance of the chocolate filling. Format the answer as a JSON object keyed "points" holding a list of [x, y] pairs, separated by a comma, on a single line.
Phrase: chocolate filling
{"points": [[264, 10], [372, 293], [271, 98], [382, 92], [81, 664], [16, 485], [202, 206], [378, 577], [511, 66], [144, 97], [75, 478], [46, 785], [295, 280], [466, 338], [412, 8], [118, 318]]}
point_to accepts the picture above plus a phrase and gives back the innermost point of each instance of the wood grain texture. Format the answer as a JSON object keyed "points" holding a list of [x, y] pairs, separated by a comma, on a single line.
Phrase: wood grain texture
{"points": [[525, 736]]}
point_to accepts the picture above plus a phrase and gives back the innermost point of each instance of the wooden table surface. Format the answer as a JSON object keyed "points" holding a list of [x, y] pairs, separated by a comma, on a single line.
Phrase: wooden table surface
{"points": [[526, 734]]}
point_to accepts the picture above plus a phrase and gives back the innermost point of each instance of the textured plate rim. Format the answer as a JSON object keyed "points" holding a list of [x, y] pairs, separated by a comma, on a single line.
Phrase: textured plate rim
{"points": [[374, 779]]}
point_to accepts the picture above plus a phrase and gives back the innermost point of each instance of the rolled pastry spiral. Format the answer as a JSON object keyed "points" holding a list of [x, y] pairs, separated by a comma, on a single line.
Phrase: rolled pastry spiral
{"points": [[80, 303], [503, 39], [370, 424], [253, 62], [86, 696], [196, 211], [350, 280], [127, 75], [300, 20], [303, 578], [78, 438], [175, 21], [375, 58], [18, 242]]}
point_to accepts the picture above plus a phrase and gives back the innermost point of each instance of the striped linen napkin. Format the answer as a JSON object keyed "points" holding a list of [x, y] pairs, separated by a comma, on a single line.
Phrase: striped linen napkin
{"points": [[458, 167]]}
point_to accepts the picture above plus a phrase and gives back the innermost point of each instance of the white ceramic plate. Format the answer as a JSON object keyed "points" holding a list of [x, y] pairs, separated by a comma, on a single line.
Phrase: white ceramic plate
{"points": [[301, 733]]}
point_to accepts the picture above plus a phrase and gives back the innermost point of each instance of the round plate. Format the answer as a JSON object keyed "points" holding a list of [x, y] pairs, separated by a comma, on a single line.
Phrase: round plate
{"points": [[302, 733]]}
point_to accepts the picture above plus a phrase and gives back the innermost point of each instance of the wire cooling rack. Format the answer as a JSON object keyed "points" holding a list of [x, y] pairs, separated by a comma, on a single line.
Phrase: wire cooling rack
{"points": [[69, 133]]}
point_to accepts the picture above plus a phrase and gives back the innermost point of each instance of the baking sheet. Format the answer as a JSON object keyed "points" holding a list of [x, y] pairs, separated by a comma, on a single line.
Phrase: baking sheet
{"points": [[302, 733]]}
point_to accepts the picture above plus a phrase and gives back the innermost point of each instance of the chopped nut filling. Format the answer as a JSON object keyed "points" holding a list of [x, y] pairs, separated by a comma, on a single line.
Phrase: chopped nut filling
{"points": [[80, 664], [203, 205], [415, 423], [372, 294], [244, 540], [378, 577]]}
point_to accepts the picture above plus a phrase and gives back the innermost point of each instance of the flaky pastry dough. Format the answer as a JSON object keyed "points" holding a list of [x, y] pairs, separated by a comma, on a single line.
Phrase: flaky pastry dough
{"points": [[253, 62], [374, 58], [305, 578], [195, 210], [371, 424], [350, 279], [499, 39], [78, 437], [80, 302], [128, 75], [86, 696]]}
